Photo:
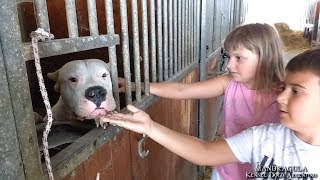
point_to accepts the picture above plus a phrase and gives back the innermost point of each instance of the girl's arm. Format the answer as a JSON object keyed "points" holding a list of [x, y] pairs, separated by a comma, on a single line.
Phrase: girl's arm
{"points": [[199, 90], [188, 147]]}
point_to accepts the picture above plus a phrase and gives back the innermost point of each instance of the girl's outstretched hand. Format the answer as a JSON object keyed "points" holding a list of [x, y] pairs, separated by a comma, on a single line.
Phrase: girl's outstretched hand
{"points": [[137, 120]]}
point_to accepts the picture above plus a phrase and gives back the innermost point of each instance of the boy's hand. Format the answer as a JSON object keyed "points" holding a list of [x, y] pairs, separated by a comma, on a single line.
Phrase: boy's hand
{"points": [[137, 121]]}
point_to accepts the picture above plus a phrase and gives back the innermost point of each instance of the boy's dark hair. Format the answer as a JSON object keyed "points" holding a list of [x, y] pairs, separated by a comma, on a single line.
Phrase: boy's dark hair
{"points": [[306, 61]]}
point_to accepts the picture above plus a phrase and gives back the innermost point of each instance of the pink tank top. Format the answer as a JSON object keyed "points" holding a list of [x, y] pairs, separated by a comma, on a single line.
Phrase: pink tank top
{"points": [[238, 113]]}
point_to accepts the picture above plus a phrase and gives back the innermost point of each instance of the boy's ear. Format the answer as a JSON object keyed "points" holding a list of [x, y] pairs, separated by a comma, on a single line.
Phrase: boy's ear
{"points": [[55, 76]]}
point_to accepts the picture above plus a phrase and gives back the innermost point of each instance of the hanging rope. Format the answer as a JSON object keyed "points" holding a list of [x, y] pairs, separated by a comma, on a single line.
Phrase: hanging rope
{"points": [[42, 35]]}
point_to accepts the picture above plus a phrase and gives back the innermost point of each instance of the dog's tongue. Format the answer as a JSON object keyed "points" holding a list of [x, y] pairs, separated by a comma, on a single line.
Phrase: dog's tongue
{"points": [[98, 113]]}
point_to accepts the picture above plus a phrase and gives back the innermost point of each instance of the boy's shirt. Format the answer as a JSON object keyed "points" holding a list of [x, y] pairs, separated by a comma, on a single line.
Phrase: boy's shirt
{"points": [[276, 152]]}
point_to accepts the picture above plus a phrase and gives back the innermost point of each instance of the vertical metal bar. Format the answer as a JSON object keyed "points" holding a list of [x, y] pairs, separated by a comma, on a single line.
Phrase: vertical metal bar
{"points": [[42, 14], [188, 21], [112, 52], [153, 41], [202, 67], [136, 48], [183, 31], [125, 50], [202, 58], [10, 156], [159, 38], [92, 15], [170, 39], [144, 10], [175, 36], [71, 18], [165, 39], [193, 31], [179, 35], [25, 165]]}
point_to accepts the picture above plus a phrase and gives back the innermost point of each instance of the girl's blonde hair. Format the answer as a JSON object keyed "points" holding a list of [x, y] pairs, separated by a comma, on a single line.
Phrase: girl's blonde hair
{"points": [[263, 40]]}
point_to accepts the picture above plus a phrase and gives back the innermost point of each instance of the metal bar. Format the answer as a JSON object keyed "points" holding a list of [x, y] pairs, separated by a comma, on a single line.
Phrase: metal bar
{"points": [[159, 38], [92, 15], [136, 48], [71, 18], [153, 41], [193, 30], [202, 67], [170, 38], [10, 157], [179, 35], [175, 36], [112, 53], [41, 13], [165, 39], [144, 9], [187, 59], [69, 45], [125, 50], [183, 31], [25, 165]]}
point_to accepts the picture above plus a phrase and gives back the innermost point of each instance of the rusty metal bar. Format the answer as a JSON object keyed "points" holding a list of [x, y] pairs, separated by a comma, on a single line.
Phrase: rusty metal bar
{"points": [[136, 48], [112, 52], [92, 15], [153, 41], [125, 50], [145, 55], [71, 18], [159, 38]]}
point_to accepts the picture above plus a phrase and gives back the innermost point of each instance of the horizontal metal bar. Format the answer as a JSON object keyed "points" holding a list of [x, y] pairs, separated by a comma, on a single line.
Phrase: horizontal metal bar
{"points": [[70, 45]]}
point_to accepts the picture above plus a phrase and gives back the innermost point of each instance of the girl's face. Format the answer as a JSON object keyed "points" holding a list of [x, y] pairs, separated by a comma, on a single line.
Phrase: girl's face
{"points": [[300, 102], [242, 65]]}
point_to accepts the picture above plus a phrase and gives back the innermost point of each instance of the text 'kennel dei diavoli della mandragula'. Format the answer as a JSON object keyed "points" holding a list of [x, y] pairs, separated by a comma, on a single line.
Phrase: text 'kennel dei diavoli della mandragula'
{"points": [[142, 41]]}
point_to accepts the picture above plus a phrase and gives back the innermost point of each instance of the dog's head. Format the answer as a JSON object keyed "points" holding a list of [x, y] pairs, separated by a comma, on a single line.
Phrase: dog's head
{"points": [[85, 87]]}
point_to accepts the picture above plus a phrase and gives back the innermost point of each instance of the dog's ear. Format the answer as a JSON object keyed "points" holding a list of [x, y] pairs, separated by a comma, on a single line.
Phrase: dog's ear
{"points": [[55, 76], [109, 66]]}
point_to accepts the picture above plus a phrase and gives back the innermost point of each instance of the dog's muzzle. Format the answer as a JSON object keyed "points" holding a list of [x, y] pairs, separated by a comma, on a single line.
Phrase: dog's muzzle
{"points": [[96, 94]]}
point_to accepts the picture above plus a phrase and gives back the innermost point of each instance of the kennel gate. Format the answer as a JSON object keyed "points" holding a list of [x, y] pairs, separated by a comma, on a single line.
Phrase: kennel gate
{"points": [[175, 47]]}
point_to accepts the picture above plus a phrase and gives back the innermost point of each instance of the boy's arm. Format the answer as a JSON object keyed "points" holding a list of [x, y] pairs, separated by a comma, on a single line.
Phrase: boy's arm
{"points": [[190, 148]]}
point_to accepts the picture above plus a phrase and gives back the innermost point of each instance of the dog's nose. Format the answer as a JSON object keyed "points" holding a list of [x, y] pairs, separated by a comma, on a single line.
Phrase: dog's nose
{"points": [[96, 94]]}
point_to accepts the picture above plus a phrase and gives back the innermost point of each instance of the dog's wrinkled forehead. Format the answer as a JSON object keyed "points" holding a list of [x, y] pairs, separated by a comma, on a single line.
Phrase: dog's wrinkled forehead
{"points": [[83, 67]]}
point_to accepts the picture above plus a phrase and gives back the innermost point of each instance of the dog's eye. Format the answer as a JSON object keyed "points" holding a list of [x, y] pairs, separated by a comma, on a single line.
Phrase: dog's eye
{"points": [[73, 79], [104, 75]]}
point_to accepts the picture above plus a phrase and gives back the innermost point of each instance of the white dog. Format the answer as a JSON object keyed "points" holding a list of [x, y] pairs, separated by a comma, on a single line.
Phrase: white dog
{"points": [[86, 90]]}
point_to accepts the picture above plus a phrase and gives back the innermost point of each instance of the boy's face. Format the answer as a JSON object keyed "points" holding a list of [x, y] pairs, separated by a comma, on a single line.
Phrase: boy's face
{"points": [[300, 102]]}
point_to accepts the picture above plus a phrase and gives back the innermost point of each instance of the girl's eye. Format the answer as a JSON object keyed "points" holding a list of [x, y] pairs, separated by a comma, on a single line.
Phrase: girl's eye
{"points": [[239, 58], [295, 91], [73, 79]]}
